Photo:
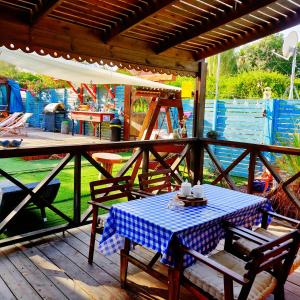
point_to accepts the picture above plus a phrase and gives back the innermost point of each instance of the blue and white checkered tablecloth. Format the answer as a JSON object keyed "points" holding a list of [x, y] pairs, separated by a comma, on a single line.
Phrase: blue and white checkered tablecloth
{"points": [[150, 223]]}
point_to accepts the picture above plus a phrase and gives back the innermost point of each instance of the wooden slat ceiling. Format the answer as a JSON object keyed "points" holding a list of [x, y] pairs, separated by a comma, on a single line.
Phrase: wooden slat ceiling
{"points": [[167, 36]]}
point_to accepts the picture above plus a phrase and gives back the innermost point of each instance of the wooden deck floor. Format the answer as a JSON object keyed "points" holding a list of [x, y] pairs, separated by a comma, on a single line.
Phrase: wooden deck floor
{"points": [[56, 267], [36, 137]]}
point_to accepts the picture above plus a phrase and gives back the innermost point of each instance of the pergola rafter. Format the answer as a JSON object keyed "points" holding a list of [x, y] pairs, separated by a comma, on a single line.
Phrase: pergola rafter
{"points": [[220, 19], [46, 8], [147, 11]]}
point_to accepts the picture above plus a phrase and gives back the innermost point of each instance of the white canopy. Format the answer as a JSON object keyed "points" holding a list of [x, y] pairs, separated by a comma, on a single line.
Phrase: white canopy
{"points": [[69, 70]]}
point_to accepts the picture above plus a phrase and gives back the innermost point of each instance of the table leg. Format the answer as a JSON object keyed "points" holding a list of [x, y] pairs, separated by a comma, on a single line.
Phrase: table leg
{"points": [[124, 263], [173, 283]]}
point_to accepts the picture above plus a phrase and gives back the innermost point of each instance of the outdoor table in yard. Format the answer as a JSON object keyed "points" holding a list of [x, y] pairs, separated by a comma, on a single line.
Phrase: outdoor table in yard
{"points": [[150, 223]]}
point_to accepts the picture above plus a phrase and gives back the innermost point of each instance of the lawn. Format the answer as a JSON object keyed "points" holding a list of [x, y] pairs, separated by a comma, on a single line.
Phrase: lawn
{"points": [[36, 170]]}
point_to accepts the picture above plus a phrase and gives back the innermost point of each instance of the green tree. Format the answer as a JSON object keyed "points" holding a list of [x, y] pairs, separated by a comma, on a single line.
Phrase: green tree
{"points": [[228, 64], [259, 56]]}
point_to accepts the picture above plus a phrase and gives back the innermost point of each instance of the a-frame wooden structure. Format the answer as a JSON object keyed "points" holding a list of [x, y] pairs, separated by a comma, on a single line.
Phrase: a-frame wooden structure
{"points": [[156, 106]]}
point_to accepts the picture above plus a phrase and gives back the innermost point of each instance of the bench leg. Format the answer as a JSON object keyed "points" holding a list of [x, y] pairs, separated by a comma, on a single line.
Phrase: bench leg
{"points": [[43, 214]]}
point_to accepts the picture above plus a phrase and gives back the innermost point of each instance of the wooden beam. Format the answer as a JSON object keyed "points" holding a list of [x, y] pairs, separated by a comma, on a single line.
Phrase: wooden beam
{"points": [[201, 100], [251, 171], [218, 165], [267, 29], [221, 19], [47, 8], [152, 8]]}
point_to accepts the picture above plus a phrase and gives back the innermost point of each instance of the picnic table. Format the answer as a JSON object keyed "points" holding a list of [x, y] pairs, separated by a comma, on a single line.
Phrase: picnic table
{"points": [[150, 223]]}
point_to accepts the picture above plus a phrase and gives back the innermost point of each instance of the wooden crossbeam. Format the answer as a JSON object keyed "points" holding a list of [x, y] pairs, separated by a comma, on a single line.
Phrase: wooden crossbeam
{"points": [[46, 9], [218, 164], [34, 193], [166, 165], [231, 166], [152, 8], [227, 16], [279, 180]]}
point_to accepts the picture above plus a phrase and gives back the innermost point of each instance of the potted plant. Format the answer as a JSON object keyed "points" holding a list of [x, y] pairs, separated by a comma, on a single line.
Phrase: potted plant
{"points": [[212, 134], [288, 165]]}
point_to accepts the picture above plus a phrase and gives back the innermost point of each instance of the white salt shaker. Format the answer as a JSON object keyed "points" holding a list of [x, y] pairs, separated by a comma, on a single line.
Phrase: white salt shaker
{"points": [[197, 190], [186, 188]]}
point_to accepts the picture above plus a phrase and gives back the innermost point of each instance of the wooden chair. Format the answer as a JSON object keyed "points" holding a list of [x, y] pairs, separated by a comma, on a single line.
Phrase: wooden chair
{"points": [[100, 194], [153, 183], [244, 247], [224, 276]]}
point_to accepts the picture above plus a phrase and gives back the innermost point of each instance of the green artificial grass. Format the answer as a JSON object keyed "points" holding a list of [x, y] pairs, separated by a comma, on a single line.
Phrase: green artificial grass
{"points": [[35, 170]]}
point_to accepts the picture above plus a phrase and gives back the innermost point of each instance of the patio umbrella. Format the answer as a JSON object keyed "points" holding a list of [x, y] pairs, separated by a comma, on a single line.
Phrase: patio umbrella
{"points": [[69, 70]]}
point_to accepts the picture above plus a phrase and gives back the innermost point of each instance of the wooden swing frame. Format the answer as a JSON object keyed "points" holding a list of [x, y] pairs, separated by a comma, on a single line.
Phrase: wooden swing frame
{"points": [[155, 107]]}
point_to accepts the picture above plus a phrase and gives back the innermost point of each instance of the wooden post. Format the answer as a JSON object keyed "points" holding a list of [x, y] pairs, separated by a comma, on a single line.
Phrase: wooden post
{"points": [[77, 188], [198, 122], [145, 165], [251, 171]]}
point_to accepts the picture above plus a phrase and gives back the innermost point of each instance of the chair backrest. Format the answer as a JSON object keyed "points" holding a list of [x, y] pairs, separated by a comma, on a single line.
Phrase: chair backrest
{"points": [[10, 119], [101, 189], [277, 255], [21, 121], [155, 182]]}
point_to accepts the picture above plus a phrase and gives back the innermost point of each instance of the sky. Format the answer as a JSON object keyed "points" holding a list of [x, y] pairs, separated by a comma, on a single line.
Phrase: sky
{"points": [[295, 28]]}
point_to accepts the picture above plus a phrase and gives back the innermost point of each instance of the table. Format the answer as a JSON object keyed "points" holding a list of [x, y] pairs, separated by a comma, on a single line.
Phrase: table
{"points": [[107, 160], [150, 223], [91, 116]]}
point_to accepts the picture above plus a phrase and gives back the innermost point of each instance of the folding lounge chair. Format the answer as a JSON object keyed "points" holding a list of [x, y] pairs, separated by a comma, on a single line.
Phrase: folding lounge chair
{"points": [[17, 126], [10, 119]]}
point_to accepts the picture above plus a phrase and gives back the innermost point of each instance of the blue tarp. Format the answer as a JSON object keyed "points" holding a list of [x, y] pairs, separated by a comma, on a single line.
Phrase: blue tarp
{"points": [[16, 104]]}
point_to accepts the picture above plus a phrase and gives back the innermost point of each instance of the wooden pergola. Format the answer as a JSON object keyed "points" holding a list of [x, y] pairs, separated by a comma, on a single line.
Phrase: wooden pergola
{"points": [[166, 36], [162, 36]]}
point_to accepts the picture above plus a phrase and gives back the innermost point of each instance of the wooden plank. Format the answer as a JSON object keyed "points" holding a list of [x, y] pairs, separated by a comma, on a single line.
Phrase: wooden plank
{"points": [[107, 285], [15, 281], [54, 273], [5, 292], [42, 285], [84, 281]]}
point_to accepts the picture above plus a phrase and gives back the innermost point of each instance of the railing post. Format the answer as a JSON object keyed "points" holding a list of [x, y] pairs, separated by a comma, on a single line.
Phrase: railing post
{"points": [[77, 189], [197, 162], [145, 164], [251, 171]]}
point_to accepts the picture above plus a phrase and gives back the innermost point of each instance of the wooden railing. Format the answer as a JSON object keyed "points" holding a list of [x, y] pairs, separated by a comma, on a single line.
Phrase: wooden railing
{"points": [[255, 151], [142, 149], [191, 149]]}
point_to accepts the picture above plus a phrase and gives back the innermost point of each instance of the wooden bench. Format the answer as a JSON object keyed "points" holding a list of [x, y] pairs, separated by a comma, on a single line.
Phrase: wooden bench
{"points": [[11, 195]]}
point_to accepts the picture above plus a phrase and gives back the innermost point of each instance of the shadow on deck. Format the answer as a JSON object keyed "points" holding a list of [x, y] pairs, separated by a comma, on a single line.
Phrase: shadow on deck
{"points": [[56, 267]]}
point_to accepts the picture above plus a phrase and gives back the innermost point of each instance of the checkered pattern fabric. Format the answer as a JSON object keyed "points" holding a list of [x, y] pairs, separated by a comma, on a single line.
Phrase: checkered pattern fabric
{"points": [[150, 223]]}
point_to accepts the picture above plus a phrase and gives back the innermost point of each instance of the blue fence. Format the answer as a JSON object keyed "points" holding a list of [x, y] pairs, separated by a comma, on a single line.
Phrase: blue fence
{"points": [[254, 121]]}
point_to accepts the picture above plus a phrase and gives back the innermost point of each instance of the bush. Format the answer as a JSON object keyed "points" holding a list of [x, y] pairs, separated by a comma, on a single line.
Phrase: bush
{"points": [[248, 85]]}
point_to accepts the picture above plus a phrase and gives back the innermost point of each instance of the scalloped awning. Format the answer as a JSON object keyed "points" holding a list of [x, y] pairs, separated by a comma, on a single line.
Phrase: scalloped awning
{"points": [[162, 36], [69, 70]]}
